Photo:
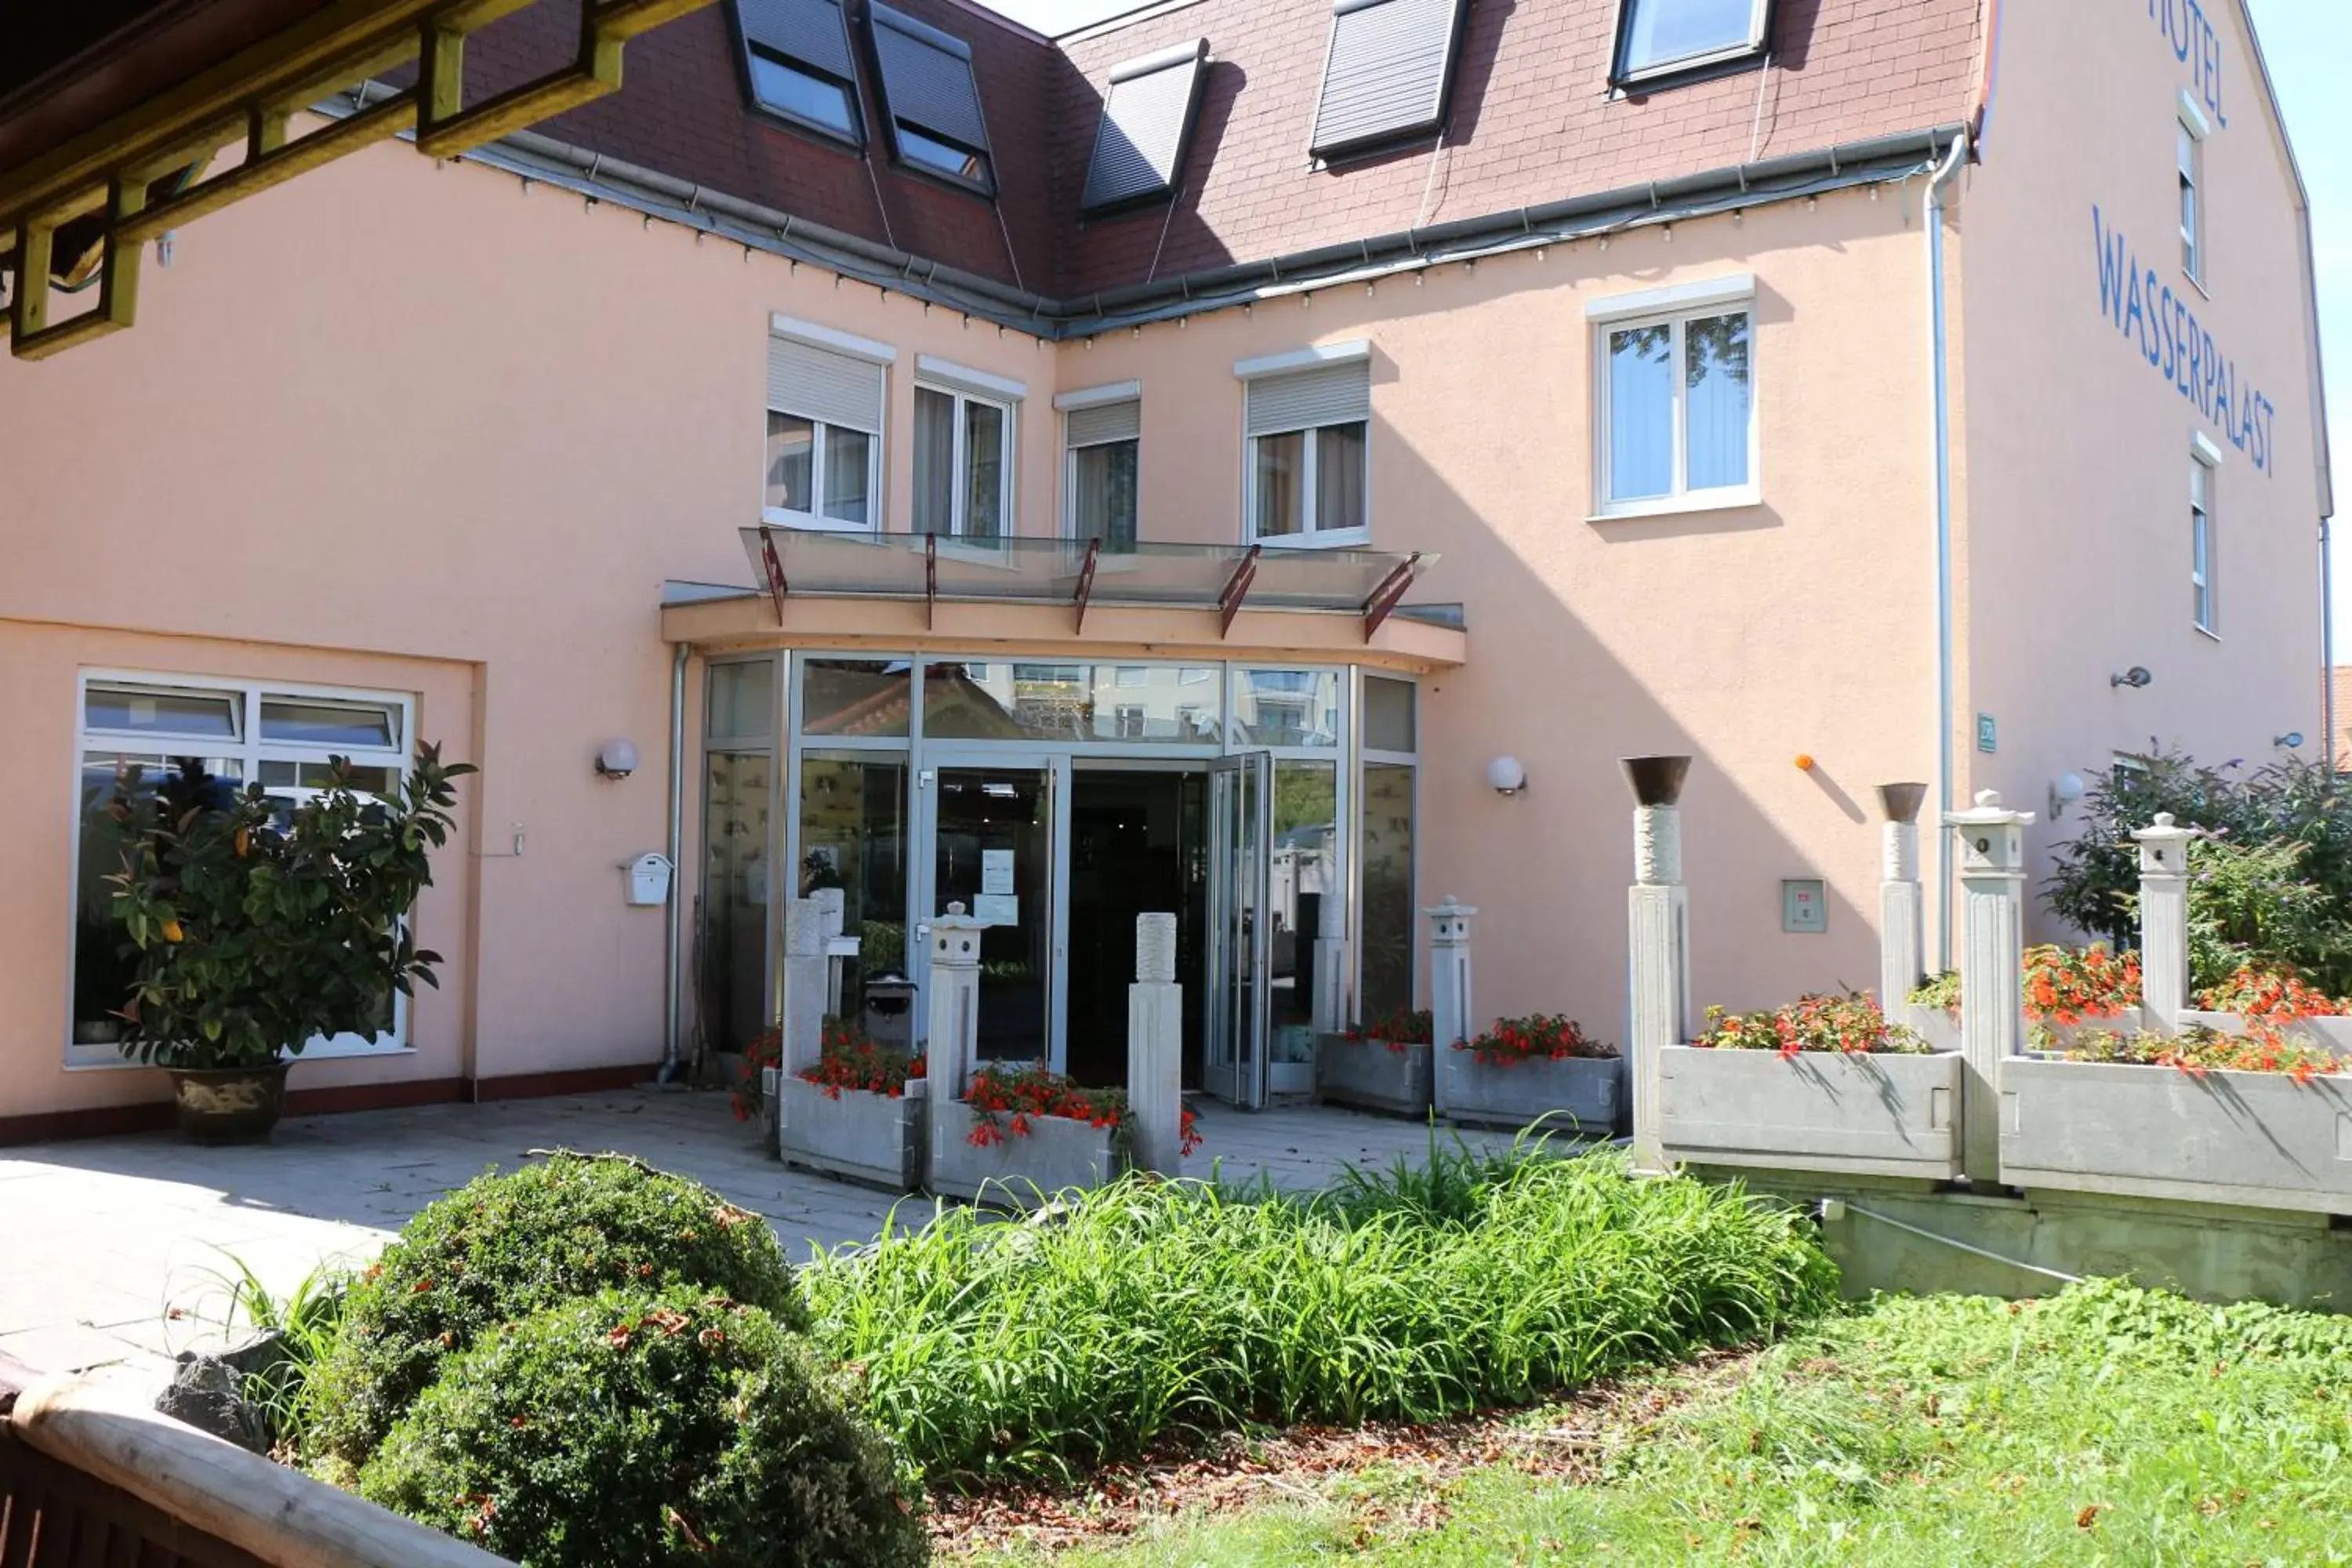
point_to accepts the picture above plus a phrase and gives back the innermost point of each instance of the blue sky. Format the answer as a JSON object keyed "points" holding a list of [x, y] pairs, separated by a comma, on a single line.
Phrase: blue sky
{"points": [[2306, 44]]}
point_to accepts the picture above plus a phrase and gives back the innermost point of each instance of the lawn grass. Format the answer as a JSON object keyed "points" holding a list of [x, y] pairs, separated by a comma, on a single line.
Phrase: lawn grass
{"points": [[2108, 1425]]}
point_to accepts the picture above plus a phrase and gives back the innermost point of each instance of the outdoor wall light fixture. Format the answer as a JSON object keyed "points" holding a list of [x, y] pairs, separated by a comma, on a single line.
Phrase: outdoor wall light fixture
{"points": [[2292, 739], [616, 759], [1507, 776], [2065, 791], [2135, 678]]}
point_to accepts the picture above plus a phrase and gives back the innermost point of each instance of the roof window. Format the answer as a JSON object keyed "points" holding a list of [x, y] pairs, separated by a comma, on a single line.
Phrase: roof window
{"points": [[931, 100], [796, 57], [1661, 38], [1387, 75], [1146, 124]]}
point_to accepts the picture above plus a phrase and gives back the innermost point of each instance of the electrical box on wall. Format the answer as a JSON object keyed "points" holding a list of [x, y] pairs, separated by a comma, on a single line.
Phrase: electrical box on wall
{"points": [[1804, 905], [646, 878]]}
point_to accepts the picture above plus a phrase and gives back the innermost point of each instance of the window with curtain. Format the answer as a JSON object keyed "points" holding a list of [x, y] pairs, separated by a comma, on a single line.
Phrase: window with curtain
{"points": [[2201, 542], [1105, 446], [1306, 470], [1659, 36], [1678, 409], [2189, 156], [963, 465], [825, 440]]}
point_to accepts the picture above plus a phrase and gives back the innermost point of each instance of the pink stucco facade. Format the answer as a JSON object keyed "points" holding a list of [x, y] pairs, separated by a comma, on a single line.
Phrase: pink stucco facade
{"points": [[439, 431]]}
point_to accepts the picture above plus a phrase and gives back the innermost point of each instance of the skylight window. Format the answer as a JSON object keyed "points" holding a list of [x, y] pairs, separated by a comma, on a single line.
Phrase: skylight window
{"points": [[796, 56], [1147, 123], [1387, 75], [1658, 38], [931, 99]]}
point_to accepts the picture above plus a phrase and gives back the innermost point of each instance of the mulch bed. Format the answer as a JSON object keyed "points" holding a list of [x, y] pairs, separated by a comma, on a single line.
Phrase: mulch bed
{"points": [[1567, 1440]]}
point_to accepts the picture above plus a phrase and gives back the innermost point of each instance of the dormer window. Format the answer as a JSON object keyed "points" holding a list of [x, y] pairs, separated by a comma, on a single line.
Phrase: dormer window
{"points": [[1662, 37], [1387, 74], [1147, 123], [796, 57], [932, 99]]}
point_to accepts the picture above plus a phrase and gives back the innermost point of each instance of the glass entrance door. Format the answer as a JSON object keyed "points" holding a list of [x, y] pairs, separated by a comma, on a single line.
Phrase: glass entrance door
{"points": [[1241, 820], [995, 831]]}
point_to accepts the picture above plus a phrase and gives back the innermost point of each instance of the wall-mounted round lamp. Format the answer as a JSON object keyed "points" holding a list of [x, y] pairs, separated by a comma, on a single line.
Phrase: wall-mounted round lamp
{"points": [[616, 759], [2065, 791], [2135, 678], [2292, 739], [1506, 776]]}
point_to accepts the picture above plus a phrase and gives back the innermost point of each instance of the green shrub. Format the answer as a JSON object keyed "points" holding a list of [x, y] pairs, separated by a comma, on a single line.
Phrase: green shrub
{"points": [[506, 1245], [647, 1429], [1152, 1309]]}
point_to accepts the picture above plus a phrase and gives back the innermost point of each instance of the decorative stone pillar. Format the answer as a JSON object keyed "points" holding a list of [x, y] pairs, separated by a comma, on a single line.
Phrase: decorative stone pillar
{"points": [[804, 983], [2164, 921], [953, 1047], [1902, 902], [1155, 1048], [1992, 971], [1451, 1017], [1331, 969], [1657, 940], [829, 917]]}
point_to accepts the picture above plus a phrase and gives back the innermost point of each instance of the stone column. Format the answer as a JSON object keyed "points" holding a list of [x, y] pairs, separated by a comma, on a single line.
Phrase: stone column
{"points": [[953, 1046], [1451, 1017], [805, 984], [1992, 971], [2164, 921], [829, 905], [1155, 1048], [1657, 942], [1902, 902], [1331, 971]]}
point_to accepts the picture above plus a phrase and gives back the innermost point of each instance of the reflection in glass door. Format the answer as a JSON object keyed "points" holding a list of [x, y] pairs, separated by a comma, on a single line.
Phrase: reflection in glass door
{"points": [[1240, 929], [733, 950], [994, 845]]}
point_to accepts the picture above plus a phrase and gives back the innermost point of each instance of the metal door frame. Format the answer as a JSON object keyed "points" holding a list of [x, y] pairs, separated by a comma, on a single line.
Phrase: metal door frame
{"points": [[1055, 767], [1234, 1065]]}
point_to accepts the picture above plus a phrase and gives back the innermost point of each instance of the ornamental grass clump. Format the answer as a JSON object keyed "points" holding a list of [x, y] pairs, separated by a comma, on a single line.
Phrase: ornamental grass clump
{"points": [[648, 1428], [1539, 1036], [1155, 1311], [1850, 1023], [503, 1247]]}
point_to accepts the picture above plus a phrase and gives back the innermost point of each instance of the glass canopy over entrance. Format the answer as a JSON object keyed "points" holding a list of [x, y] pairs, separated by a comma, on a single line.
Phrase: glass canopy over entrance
{"points": [[1269, 806]]}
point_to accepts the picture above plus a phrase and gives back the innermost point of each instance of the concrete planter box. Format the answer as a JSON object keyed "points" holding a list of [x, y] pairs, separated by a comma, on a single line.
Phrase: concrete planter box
{"points": [[1371, 1076], [2255, 1139], [1569, 1095], [1057, 1154], [860, 1137], [1819, 1110]]}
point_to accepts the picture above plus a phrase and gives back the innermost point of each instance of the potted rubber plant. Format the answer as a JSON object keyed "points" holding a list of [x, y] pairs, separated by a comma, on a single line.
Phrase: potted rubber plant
{"points": [[257, 929]]}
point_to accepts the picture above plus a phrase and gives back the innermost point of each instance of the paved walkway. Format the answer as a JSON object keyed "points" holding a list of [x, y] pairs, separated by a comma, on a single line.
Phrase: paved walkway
{"points": [[114, 1251]]}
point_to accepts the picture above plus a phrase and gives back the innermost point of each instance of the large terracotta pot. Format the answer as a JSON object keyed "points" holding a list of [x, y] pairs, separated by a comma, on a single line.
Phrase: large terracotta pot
{"points": [[229, 1105]]}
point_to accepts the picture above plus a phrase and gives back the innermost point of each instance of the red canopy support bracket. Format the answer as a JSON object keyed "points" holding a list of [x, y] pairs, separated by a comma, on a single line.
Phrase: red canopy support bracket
{"points": [[1237, 587], [1086, 580], [777, 586], [1386, 596], [930, 580]]}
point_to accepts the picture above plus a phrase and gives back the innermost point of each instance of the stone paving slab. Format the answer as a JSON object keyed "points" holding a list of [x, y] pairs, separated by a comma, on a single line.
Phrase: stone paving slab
{"points": [[114, 1251]]}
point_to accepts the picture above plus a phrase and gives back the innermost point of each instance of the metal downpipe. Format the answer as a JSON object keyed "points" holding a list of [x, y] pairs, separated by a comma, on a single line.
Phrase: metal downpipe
{"points": [[1939, 366], [673, 990]]}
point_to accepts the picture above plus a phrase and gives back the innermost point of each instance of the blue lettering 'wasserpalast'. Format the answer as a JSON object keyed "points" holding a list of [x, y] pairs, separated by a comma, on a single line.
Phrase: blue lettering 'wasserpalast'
{"points": [[2196, 45], [2160, 324]]}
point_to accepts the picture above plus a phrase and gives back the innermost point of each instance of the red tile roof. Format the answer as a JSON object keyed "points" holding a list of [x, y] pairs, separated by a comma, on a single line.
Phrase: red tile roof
{"points": [[1533, 121]]}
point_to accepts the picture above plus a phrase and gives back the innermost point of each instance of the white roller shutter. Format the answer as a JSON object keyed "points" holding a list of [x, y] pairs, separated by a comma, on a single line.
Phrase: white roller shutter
{"points": [[1105, 422], [819, 384], [1303, 399]]}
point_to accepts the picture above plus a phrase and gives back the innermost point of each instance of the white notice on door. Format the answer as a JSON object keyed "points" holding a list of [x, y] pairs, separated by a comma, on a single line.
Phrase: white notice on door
{"points": [[996, 909], [995, 871]]}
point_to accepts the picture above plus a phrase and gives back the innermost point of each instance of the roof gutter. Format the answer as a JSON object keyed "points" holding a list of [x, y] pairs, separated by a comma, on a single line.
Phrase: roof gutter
{"points": [[531, 156]]}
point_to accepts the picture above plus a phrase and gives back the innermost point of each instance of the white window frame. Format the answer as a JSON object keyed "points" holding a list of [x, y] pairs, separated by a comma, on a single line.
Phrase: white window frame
{"points": [[1673, 306], [2188, 155], [855, 347], [2205, 600], [1758, 18], [251, 750], [1307, 537], [1095, 397], [967, 386]]}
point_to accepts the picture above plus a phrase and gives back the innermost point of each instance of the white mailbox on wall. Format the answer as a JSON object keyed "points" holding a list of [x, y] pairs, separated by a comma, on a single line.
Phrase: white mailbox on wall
{"points": [[646, 878]]}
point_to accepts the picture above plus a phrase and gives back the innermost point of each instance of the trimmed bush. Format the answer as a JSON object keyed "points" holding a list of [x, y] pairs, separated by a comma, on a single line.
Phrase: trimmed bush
{"points": [[658, 1429], [1154, 1310], [504, 1247]]}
